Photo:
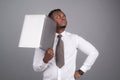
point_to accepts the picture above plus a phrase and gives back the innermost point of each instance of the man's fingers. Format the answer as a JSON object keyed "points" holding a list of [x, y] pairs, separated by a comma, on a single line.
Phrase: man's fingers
{"points": [[50, 52], [76, 75]]}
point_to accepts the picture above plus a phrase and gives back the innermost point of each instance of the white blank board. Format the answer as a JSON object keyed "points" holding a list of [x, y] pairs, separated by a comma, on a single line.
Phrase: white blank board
{"points": [[37, 31]]}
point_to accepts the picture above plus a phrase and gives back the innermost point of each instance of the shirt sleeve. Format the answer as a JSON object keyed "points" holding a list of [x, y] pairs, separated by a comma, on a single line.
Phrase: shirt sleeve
{"points": [[87, 48], [38, 64]]}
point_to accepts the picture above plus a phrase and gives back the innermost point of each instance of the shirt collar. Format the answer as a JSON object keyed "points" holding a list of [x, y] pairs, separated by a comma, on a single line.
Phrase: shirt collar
{"points": [[63, 33]]}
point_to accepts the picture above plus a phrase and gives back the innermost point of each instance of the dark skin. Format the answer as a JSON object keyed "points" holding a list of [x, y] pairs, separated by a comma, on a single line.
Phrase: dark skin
{"points": [[60, 18]]}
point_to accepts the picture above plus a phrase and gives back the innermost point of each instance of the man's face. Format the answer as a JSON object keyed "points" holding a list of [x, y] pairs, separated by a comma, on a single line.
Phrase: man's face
{"points": [[60, 18]]}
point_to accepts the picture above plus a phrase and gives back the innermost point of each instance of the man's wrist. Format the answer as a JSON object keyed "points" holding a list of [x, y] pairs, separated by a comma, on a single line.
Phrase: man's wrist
{"points": [[80, 72], [44, 60]]}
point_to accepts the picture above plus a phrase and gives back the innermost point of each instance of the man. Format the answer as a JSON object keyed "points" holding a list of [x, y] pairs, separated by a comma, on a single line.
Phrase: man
{"points": [[49, 62]]}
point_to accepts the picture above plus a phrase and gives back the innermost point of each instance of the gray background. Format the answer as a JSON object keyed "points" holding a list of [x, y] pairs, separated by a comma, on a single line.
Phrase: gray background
{"points": [[98, 21]]}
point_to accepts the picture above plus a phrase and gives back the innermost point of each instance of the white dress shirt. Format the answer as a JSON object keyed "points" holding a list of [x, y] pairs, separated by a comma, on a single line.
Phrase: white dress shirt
{"points": [[72, 43]]}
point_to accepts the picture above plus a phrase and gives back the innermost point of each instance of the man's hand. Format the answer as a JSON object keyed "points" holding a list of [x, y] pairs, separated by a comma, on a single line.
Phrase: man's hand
{"points": [[77, 75], [48, 55]]}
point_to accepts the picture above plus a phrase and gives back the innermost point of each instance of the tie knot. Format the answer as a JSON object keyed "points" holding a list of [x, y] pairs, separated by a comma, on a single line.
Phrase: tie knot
{"points": [[59, 36]]}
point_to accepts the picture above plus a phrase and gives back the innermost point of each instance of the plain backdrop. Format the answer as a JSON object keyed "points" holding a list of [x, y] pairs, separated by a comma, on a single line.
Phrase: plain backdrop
{"points": [[98, 21]]}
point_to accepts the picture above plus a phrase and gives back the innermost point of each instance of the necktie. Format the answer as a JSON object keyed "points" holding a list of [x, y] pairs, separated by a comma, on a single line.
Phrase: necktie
{"points": [[60, 52]]}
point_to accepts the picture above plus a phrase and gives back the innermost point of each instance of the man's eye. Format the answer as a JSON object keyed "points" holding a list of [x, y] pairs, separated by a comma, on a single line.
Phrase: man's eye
{"points": [[57, 17]]}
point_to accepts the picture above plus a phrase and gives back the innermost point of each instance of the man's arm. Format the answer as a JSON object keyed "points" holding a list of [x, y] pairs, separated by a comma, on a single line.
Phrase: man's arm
{"points": [[41, 59], [89, 50]]}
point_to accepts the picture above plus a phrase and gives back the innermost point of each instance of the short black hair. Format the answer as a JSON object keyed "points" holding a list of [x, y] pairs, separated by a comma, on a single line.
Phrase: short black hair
{"points": [[51, 12]]}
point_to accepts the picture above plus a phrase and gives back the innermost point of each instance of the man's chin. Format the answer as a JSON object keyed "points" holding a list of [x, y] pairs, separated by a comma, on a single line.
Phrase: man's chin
{"points": [[62, 27]]}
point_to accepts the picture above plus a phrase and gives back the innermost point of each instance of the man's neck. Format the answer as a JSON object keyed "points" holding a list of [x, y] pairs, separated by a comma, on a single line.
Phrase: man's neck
{"points": [[59, 31]]}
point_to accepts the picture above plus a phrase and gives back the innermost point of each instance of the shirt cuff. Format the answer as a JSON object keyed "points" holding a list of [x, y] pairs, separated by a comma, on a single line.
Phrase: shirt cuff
{"points": [[44, 64], [83, 69], [80, 72]]}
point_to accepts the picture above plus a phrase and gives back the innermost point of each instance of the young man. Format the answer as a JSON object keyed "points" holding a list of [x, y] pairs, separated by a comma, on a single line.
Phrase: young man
{"points": [[59, 62]]}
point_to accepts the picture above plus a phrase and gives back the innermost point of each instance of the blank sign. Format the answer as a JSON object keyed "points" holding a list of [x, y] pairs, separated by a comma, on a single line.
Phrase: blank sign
{"points": [[37, 31]]}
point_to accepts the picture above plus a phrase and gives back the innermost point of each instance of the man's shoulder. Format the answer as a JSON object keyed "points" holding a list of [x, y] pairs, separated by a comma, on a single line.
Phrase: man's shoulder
{"points": [[71, 34]]}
